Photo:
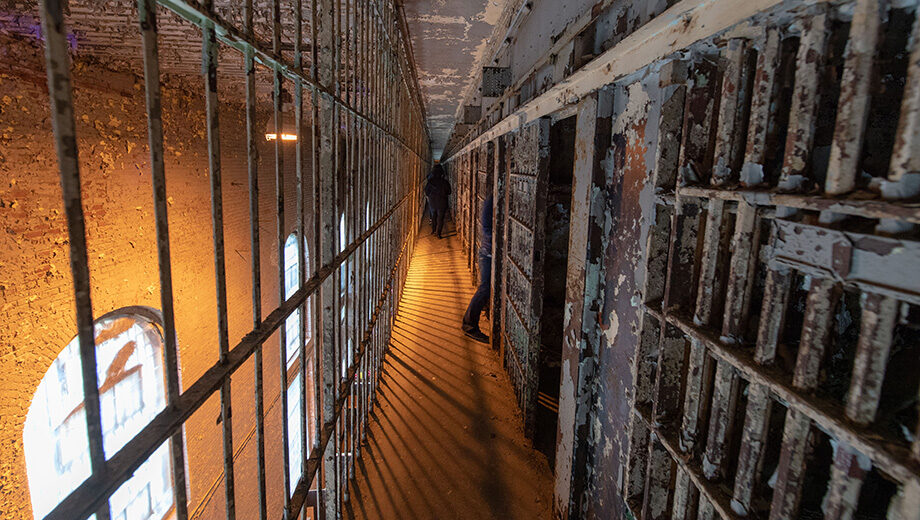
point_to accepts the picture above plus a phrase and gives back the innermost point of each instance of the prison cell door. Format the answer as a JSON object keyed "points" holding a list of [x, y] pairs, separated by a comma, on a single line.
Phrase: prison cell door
{"points": [[481, 191], [524, 214]]}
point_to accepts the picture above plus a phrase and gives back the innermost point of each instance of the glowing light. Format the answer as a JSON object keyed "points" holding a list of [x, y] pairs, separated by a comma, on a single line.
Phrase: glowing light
{"points": [[284, 137]]}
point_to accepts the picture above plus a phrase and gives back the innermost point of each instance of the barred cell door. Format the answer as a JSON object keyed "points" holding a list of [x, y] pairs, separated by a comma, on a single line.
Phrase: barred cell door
{"points": [[522, 277]]}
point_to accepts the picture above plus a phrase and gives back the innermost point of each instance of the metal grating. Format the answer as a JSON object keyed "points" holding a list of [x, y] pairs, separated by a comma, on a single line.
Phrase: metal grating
{"points": [[495, 80], [780, 285], [369, 151]]}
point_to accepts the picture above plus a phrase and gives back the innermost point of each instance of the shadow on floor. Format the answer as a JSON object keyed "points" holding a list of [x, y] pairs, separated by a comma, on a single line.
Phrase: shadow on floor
{"points": [[445, 439]]}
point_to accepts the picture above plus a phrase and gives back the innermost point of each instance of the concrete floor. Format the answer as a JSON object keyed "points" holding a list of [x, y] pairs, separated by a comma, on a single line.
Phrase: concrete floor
{"points": [[446, 438]]}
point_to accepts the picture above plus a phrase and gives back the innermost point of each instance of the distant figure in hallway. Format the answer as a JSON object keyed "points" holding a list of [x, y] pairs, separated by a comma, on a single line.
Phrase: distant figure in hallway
{"points": [[437, 190], [481, 298]]}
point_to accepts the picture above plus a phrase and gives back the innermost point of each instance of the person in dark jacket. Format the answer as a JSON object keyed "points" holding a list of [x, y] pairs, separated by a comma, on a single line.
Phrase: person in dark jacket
{"points": [[481, 297], [437, 190]]}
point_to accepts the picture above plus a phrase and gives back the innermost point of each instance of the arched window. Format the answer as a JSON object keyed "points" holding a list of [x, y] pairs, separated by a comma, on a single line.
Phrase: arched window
{"points": [[132, 390], [293, 344]]}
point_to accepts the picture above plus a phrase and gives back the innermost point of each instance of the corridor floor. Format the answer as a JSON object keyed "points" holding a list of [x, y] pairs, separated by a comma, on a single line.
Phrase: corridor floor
{"points": [[445, 439]]}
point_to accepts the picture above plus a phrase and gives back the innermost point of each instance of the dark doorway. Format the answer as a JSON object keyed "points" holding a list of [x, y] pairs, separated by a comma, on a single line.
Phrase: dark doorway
{"points": [[558, 207]]}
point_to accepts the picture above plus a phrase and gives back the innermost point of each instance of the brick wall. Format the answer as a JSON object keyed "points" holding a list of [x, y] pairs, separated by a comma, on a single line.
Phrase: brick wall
{"points": [[36, 298]]}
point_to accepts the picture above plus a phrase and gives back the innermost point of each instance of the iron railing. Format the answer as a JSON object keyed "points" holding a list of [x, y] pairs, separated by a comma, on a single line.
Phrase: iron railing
{"points": [[369, 150]]}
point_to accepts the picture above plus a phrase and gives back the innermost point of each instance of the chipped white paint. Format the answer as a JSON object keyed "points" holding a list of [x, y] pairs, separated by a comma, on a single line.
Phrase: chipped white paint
{"points": [[449, 39], [683, 24]]}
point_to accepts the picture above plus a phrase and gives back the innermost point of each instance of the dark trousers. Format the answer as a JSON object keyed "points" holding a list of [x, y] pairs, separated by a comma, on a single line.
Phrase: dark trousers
{"points": [[481, 298], [438, 215]]}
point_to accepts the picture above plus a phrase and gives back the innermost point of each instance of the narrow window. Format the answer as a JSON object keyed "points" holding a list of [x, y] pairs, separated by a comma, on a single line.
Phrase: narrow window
{"points": [[132, 390], [293, 343]]}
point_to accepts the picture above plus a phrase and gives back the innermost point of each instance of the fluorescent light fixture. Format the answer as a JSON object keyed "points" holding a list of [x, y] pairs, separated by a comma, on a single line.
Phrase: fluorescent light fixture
{"points": [[284, 137]]}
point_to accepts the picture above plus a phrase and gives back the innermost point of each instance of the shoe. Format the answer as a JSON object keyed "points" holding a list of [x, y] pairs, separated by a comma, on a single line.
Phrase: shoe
{"points": [[477, 335]]}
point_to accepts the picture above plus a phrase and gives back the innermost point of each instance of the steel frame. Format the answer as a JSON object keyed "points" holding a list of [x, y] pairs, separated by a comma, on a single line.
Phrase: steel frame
{"points": [[369, 151]]}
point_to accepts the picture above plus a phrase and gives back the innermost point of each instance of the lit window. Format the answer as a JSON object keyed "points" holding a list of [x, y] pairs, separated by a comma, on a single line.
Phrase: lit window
{"points": [[132, 390], [293, 344]]}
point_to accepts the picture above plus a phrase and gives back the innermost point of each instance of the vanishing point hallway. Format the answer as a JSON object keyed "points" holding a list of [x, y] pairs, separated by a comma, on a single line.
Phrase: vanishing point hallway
{"points": [[446, 438]]}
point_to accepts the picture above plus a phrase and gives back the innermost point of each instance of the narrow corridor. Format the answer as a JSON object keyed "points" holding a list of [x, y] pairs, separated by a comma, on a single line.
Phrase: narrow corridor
{"points": [[445, 439]]}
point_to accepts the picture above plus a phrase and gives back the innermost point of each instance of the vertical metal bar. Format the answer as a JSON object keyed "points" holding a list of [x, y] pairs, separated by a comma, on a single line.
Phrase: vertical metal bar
{"points": [[725, 394], [657, 483], [281, 239], [850, 467], [732, 109], [60, 92], [317, 306], [301, 240], [320, 324], [709, 262], [809, 61], [760, 404], [252, 157], [753, 443], [822, 298], [855, 96], [761, 119], [773, 314], [905, 158], [686, 502], [209, 59], [148, 25], [324, 125], [904, 169], [741, 271]]}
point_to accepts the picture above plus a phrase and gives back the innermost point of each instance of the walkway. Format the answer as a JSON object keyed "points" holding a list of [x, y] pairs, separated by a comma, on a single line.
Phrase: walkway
{"points": [[445, 440]]}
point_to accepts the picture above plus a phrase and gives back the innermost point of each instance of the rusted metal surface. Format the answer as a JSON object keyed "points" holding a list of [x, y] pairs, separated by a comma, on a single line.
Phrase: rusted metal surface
{"points": [[853, 107], [805, 98], [584, 294], [733, 109], [723, 262], [524, 220], [762, 114]]}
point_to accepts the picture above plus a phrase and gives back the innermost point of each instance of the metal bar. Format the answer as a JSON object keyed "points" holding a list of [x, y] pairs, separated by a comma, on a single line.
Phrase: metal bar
{"points": [[855, 95], [325, 167], [60, 93], [761, 116], [741, 271], [301, 248], [120, 466], [148, 25], [819, 306], [733, 105], [809, 61], [850, 467], [280, 188], [234, 38], [879, 209], [252, 158], [905, 157], [209, 66], [753, 443]]}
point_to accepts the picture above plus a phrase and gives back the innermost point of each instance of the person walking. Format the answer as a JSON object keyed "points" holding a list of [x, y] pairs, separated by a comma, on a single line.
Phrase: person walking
{"points": [[481, 297], [437, 189]]}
